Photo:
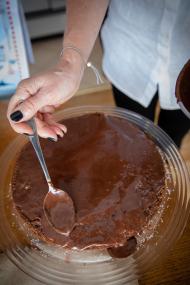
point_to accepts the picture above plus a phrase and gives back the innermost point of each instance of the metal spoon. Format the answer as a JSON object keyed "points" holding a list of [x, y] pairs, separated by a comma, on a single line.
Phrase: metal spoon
{"points": [[58, 205], [182, 90]]}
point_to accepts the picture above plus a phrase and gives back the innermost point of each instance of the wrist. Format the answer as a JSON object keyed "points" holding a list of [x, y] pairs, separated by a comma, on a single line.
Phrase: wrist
{"points": [[72, 56], [70, 66]]}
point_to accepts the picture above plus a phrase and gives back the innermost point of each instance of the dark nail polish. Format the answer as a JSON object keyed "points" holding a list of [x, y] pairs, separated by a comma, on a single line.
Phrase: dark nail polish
{"points": [[51, 139], [16, 116], [28, 134]]}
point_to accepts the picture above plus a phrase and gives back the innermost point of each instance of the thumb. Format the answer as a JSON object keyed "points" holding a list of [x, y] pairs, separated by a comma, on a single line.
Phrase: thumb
{"points": [[28, 108]]}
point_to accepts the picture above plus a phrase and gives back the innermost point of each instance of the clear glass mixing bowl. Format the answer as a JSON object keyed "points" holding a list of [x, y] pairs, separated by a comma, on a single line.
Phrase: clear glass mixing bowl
{"points": [[54, 265]]}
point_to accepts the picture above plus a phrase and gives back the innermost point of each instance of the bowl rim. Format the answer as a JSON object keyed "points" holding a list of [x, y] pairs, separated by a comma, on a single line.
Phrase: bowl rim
{"points": [[17, 255]]}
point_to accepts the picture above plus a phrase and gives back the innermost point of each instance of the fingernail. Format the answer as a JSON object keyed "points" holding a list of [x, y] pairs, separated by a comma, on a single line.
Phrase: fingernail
{"points": [[16, 116], [52, 140]]}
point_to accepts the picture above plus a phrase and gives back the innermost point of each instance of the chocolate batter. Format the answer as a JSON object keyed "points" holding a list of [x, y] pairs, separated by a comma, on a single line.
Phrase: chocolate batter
{"points": [[113, 173], [183, 86]]}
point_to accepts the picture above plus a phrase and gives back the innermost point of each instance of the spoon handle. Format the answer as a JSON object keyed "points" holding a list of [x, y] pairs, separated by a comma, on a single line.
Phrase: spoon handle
{"points": [[34, 139]]}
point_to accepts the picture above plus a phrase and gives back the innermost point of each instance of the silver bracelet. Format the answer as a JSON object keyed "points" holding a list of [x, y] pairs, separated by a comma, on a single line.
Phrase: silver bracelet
{"points": [[86, 64]]}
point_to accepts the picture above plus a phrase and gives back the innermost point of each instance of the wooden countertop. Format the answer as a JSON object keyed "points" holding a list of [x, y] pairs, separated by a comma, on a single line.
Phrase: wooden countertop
{"points": [[174, 269]]}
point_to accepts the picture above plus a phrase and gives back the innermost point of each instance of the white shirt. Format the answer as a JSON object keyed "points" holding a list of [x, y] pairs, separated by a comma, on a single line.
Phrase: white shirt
{"points": [[146, 43]]}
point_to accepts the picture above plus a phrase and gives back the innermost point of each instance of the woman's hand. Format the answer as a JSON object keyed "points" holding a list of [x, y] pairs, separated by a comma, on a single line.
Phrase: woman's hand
{"points": [[39, 96]]}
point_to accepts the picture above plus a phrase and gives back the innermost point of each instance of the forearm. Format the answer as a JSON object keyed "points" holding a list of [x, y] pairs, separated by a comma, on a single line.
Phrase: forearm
{"points": [[84, 19]]}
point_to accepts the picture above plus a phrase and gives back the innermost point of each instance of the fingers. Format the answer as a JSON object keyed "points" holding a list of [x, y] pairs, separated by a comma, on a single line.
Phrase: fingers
{"points": [[45, 130], [33, 98], [47, 109], [20, 95], [46, 127], [23, 111], [58, 128], [25, 94], [32, 94], [21, 128], [28, 108], [62, 127]]}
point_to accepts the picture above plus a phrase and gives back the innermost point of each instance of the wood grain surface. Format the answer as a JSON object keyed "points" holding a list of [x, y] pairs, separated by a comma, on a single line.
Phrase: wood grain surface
{"points": [[175, 267]]}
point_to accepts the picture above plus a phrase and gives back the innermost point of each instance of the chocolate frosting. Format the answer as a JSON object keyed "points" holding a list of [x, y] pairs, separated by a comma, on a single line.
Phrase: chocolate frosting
{"points": [[183, 86], [113, 173]]}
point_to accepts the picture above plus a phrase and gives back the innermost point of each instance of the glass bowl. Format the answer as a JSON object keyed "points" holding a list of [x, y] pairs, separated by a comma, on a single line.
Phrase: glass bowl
{"points": [[54, 265]]}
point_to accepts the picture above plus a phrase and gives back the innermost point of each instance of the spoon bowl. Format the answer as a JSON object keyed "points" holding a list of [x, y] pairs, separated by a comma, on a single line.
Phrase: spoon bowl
{"points": [[59, 210], [58, 205]]}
